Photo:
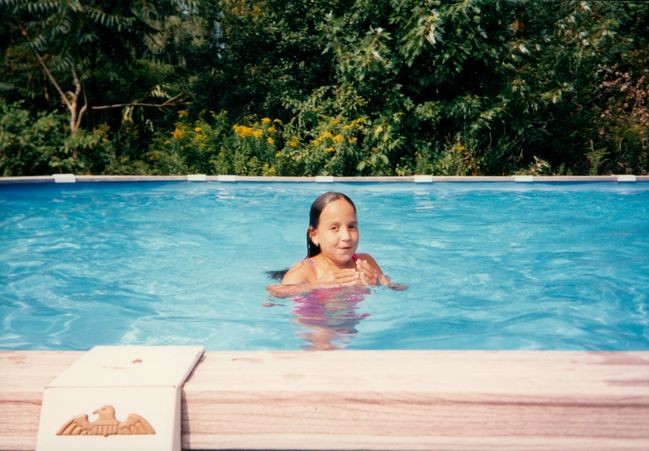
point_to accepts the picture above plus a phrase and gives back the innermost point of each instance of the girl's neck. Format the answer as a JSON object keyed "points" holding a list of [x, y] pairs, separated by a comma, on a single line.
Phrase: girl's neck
{"points": [[326, 264]]}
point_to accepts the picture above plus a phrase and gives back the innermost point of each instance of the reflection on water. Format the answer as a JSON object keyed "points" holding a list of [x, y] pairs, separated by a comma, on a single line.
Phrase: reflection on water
{"points": [[329, 316]]}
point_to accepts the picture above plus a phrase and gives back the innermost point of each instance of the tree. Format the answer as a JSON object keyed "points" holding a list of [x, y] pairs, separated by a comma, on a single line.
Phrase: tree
{"points": [[86, 52], [346, 87]]}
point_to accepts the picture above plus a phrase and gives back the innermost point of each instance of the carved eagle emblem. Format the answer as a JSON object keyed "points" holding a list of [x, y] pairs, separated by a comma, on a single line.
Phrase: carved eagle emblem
{"points": [[106, 424]]}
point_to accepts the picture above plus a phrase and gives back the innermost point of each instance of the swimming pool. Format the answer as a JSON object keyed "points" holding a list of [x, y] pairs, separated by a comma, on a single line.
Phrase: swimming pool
{"points": [[551, 266]]}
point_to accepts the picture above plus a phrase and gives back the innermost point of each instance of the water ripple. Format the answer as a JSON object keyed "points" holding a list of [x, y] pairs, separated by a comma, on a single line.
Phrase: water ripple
{"points": [[490, 266]]}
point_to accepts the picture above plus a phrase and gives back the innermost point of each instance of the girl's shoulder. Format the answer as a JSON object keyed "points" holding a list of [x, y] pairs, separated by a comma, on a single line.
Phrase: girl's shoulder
{"points": [[300, 272]]}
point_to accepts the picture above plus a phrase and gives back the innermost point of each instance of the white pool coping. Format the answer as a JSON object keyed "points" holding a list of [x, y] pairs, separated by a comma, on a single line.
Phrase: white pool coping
{"points": [[134, 391], [227, 178]]}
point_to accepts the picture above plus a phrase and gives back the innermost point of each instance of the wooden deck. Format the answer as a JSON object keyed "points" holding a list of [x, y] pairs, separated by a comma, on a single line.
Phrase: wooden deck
{"points": [[381, 400]]}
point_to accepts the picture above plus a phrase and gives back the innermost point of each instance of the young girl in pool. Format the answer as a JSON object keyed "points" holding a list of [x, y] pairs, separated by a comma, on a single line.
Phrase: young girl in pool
{"points": [[332, 261]]}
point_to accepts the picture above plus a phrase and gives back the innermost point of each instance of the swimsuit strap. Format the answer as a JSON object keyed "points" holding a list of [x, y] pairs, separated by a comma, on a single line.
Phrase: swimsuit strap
{"points": [[315, 267]]}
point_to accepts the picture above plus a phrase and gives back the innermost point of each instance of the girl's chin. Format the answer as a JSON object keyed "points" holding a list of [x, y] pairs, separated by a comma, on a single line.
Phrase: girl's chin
{"points": [[345, 258], [341, 257]]}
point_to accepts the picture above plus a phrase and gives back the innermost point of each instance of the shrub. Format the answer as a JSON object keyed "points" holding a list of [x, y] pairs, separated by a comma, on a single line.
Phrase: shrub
{"points": [[42, 144]]}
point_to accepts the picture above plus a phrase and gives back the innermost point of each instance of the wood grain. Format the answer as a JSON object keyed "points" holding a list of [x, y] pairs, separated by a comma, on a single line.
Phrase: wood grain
{"points": [[381, 399], [23, 376]]}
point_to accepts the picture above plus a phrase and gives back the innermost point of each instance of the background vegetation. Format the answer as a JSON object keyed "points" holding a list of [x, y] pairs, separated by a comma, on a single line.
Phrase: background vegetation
{"points": [[340, 87]]}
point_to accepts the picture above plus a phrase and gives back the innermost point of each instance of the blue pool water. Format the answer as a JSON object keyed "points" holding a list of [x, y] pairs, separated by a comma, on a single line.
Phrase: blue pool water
{"points": [[489, 266]]}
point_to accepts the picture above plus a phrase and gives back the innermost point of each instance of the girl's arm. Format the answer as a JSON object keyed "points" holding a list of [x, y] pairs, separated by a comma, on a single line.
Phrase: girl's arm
{"points": [[301, 278], [288, 291]]}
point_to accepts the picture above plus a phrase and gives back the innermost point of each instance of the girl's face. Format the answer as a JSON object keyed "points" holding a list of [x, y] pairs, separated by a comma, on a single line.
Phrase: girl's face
{"points": [[337, 232]]}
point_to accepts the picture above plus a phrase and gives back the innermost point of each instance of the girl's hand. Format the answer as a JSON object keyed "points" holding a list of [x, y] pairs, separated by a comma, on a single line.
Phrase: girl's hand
{"points": [[392, 285], [342, 277], [369, 274]]}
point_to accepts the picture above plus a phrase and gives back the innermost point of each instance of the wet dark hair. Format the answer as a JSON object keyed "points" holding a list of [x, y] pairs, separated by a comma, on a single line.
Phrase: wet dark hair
{"points": [[317, 207]]}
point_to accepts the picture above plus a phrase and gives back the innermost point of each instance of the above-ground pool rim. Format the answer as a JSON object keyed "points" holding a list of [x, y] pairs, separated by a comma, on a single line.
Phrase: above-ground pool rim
{"points": [[73, 178]]}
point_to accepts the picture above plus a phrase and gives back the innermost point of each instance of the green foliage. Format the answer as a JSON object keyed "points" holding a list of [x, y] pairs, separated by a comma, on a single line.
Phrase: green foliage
{"points": [[337, 87], [93, 57], [42, 145], [28, 145], [624, 122], [193, 147]]}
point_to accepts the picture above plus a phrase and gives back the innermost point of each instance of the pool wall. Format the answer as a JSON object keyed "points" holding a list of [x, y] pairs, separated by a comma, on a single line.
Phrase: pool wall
{"points": [[400, 400]]}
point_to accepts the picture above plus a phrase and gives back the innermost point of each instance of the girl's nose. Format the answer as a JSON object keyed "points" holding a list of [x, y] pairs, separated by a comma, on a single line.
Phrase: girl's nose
{"points": [[345, 235]]}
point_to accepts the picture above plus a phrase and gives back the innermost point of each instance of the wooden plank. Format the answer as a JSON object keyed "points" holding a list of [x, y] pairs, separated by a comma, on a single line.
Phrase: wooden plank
{"points": [[23, 376], [419, 400], [381, 399]]}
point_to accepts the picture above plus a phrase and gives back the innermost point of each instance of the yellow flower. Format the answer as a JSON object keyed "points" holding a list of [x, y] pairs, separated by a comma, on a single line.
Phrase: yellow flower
{"points": [[266, 120], [358, 121], [269, 140], [315, 142], [237, 129], [182, 113], [352, 140], [271, 129], [167, 141], [459, 148], [338, 138], [292, 143], [346, 127], [246, 132], [178, 133], [198, 129], [326, 135], [277, 121], [257, 133], [329, 149]]}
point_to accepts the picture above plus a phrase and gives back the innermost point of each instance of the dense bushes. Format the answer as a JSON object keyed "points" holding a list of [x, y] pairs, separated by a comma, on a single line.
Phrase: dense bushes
{"points": [[292, 87], [40, 145]]}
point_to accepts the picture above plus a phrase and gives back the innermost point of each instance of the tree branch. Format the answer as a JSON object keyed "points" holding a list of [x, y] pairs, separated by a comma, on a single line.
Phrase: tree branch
{"points": [[78, 89], [149, 105], [49, 75]]}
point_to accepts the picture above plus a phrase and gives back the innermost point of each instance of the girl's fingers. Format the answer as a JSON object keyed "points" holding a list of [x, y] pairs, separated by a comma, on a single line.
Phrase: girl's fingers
{"points": [[363, 278], [364, 274], [373, 275], [363, 265], [346, 275], [345, 272], [369, 274]]}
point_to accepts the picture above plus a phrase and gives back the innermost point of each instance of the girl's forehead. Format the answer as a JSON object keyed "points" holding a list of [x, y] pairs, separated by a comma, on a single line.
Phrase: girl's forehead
{"points": [[338, 209]]}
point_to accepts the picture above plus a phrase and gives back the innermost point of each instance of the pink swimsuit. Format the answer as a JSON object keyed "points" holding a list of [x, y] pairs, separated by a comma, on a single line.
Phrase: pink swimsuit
{"points": [[333, 309]]}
